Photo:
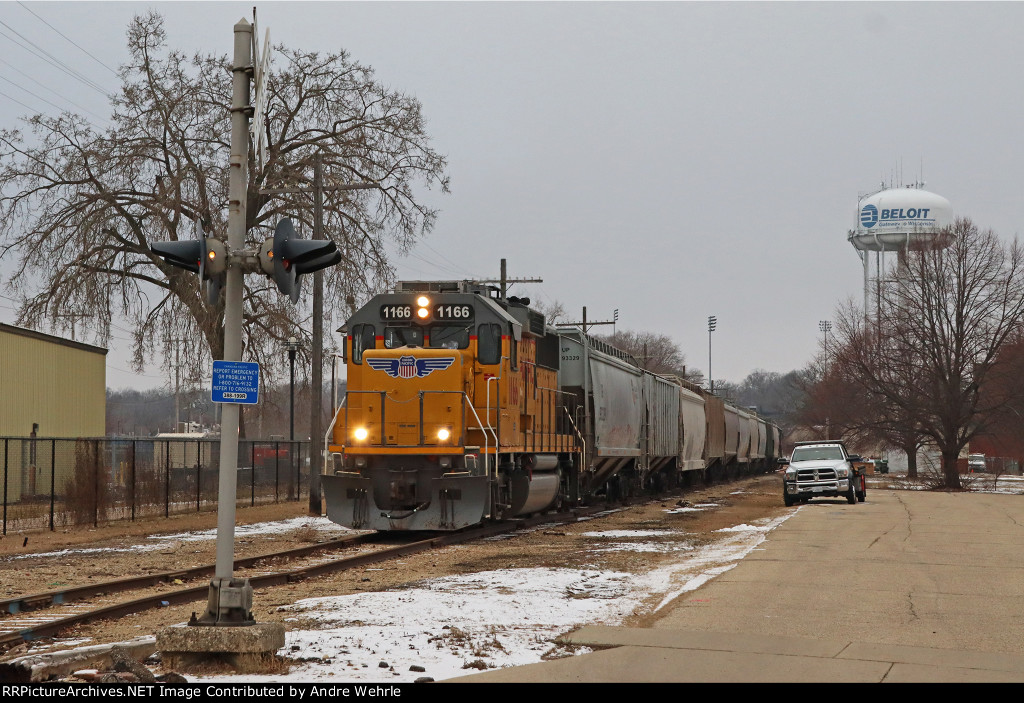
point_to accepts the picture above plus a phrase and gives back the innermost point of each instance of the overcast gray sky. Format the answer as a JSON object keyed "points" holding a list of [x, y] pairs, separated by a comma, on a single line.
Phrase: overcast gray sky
{"points": [[670, 160]]}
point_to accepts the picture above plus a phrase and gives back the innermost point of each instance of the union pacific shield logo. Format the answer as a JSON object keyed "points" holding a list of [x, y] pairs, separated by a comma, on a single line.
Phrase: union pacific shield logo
{"points": [[410, 366]]}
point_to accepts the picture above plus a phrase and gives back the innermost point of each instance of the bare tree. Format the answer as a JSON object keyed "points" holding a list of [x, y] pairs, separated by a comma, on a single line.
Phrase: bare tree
{"points": [[553, 311], [839, 401], [655, 352], [932, 358], [80, 207]]}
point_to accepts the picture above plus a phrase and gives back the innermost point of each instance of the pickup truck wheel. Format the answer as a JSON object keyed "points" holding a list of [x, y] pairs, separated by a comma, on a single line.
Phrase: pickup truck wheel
{"points": [[787, 499], [851, 496]]}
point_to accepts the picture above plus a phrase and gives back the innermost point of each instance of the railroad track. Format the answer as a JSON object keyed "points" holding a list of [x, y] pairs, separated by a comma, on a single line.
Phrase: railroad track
{"points": [[46, 614]]}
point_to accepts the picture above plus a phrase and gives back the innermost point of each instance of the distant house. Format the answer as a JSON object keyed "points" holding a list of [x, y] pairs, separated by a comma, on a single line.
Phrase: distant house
{"points": [[55, 387]]}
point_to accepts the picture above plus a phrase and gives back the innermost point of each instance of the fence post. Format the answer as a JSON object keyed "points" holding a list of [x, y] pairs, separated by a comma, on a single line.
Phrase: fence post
{"points": [[277, 470], [53, 479], [167, 478], [96, 484], [199, 473], [134, 496], [6, 441]]}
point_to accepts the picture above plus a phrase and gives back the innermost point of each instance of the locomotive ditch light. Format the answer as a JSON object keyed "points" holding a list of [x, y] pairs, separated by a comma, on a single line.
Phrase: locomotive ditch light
{"points": [[361, 433], [443, 434]]}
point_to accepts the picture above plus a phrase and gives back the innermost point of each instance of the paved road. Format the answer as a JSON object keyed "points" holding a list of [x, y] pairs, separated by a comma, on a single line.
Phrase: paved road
{"points": [[908, 586]]}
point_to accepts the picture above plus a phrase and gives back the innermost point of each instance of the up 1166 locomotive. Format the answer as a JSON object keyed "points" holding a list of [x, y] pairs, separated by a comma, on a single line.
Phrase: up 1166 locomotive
{"points": [[462, 405]]}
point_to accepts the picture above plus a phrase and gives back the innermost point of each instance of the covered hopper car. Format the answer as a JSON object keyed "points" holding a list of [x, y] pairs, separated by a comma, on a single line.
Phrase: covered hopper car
{"points": [[462, 405]]}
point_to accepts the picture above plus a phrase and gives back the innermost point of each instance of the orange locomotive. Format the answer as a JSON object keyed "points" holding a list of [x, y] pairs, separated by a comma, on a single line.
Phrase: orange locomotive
{"points": [[452, 412]]}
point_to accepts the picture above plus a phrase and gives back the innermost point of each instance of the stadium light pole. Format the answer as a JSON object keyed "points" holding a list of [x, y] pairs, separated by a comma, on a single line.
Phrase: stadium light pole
{"points": [[825, 326], [712, 322]]}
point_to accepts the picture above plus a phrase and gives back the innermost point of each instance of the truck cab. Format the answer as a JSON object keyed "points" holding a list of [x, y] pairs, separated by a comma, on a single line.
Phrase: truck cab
{"points": [[822, 469]]}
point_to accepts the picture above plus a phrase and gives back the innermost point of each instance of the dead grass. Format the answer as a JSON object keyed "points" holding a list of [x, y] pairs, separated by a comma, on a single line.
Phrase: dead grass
{"points": [[306, 533]]}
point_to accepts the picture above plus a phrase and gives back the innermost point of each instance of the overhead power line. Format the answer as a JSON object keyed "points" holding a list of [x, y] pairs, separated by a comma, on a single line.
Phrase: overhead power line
{"points": [[71, 41], [44, 87], [49, 58]]}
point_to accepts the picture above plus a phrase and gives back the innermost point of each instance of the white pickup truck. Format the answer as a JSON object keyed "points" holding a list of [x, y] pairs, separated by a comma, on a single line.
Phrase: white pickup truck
{"points": [[822, 469]]}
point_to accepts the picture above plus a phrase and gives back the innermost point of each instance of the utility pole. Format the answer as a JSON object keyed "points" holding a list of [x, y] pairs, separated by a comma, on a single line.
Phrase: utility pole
{"points": [[315, 497], [712, 323], [585, 326], [315, 423], [74, 317], [504, 282]]}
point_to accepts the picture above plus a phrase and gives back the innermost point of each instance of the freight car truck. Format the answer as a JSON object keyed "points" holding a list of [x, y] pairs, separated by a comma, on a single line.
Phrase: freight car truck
{"points": [[822, 469]]}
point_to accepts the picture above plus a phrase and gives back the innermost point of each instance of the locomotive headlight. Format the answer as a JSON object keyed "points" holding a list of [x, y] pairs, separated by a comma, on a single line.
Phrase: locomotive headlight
{"points": [[423, 301], [443, 434], [423, 313], [361, 433]]}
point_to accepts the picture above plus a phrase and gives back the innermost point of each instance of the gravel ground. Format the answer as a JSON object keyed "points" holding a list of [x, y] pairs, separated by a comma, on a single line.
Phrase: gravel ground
{"points": [[49, 560]]}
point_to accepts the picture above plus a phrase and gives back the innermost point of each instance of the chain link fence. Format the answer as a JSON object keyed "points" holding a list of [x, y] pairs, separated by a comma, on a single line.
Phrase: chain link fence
{"points": [[57, 483]]}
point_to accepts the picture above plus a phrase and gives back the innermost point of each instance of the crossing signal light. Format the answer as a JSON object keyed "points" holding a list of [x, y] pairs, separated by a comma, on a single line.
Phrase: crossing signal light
{"points": [[184, 255], [285, 257], [205, 256], [214, 265]]}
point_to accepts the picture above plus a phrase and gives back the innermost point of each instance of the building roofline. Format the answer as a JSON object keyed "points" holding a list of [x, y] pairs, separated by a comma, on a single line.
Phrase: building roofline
{"points": [[42, 336]]}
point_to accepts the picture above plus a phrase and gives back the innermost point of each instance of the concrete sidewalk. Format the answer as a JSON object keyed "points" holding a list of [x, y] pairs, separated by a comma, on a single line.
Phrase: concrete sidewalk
{"points": [[907, 587]]}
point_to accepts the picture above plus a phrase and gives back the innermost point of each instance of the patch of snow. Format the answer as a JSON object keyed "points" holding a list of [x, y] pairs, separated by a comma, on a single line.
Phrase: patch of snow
{"points": [[612, 534], [507, 617], [322, 525]]}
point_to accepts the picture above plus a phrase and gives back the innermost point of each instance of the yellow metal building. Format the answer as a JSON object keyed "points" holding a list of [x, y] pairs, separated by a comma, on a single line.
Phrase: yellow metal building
{"points": [[56, 383]]}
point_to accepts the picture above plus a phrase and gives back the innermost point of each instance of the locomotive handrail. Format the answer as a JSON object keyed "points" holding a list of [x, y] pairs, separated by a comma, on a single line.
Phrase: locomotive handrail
{"points": [[583, 442], [479, 422], [487, 412], [330, 429]]}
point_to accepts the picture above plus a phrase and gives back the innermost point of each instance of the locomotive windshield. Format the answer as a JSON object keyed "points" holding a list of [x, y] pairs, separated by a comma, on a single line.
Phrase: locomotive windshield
{"points": [[395, 337], [449, 337], [362, 339]]}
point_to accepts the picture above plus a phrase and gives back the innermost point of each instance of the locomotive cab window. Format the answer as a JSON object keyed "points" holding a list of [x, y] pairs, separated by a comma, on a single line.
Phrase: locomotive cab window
{"points": [[363, 338], [449, 337], [489, 343], [395, 337]]}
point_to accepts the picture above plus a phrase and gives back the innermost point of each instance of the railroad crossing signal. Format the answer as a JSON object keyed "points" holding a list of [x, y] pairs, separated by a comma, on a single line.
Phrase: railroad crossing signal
{"points": [[285, 257], [205, 256]]}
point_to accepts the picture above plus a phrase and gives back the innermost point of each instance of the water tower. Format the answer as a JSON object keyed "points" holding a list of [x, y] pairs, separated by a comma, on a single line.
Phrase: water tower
{"points": [[896, 219]]}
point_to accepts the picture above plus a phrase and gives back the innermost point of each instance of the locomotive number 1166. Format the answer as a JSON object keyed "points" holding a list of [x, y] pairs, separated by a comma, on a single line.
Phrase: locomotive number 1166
{"points": [[453, 312]]}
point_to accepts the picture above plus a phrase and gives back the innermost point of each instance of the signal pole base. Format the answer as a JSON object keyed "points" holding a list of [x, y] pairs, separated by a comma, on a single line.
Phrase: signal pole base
{"points": [[245, 649], [229, 604], [227, 633]]}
